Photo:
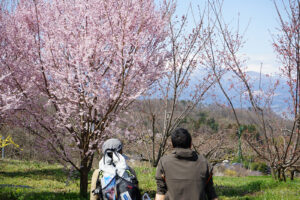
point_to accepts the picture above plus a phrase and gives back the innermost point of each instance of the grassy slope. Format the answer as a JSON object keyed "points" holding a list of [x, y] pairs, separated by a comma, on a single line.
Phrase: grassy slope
{"points": [[49, 182], [236, 187]]}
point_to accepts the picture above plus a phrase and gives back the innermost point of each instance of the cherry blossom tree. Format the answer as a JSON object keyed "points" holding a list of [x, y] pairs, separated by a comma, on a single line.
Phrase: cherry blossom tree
{"points": [[287, 47], [74, 65], [6, 98], [162, 111], [278, 142]]}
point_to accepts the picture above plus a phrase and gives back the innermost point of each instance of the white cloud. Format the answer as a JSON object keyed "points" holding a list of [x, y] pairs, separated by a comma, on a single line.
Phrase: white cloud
{"points": [[268, 62]]}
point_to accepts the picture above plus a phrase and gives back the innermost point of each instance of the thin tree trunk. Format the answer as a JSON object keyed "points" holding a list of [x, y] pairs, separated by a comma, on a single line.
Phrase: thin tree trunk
{"points": [[240, 154], [279, 174], [153, 141], [155, 162], [273, 173], [283, 175]]}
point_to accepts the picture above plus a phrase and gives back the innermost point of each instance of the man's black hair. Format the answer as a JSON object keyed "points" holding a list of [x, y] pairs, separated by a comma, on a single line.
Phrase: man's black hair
{"points": [[181, 138]]}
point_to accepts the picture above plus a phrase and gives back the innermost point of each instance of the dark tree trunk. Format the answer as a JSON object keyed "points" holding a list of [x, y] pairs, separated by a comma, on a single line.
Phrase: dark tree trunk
{"points": [[279, 174], [84, 182], [85, 168], [153, 141], [283, 175], [292, 174]]}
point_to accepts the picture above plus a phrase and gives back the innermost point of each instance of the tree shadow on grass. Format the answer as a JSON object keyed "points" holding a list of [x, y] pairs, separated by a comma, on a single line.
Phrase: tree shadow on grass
{"points": [[242, 190], [53, 174], [31, 194], [231, 191], [42, 174], [12, 193]]}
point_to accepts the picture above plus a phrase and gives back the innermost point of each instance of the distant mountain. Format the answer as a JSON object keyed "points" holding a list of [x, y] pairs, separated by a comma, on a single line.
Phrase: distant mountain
{"points": [[261, 84]]}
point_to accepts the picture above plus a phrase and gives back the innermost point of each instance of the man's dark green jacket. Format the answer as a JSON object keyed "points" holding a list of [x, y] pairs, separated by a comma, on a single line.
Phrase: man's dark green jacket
{"points": [[184, 175]]}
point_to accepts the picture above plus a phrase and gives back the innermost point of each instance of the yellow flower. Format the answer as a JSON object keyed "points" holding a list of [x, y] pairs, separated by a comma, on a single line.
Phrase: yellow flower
{"points": [[8, 141]]}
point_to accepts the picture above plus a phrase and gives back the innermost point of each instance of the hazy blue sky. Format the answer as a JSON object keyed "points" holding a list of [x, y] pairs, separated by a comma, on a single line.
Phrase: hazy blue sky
{"points": [[262, 19]]}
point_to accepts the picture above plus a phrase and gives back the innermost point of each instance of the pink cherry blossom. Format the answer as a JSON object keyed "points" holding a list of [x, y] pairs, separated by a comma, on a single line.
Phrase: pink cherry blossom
{"points": [[72, 66]]}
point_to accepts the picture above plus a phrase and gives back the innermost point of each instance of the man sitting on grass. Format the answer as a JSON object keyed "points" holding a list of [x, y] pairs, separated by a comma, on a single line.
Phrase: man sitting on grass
{"points": [[184, 175]]}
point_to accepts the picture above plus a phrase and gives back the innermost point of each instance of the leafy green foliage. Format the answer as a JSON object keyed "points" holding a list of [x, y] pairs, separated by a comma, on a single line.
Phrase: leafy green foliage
{"points": [[211, 122], [258, 166], [201, 119]]}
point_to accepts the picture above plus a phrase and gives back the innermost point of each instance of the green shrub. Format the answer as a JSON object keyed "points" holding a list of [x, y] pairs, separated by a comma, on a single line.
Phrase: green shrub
{"points": [[254, 166], [259, 166], [229, 172], [263, 168], [211, 122], [246, 164]]}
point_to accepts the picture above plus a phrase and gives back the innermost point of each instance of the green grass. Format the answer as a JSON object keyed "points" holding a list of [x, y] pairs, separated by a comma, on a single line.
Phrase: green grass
{"points": [[146, 179], [49, 182], [262, 187], [233, 188]]}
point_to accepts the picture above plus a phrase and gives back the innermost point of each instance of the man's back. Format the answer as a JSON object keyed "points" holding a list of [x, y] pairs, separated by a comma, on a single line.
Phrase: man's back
{"points": [[184, 175]]}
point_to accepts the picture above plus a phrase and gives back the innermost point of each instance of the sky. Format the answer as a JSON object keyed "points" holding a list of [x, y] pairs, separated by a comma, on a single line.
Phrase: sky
{"points": [[260, 18]]}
